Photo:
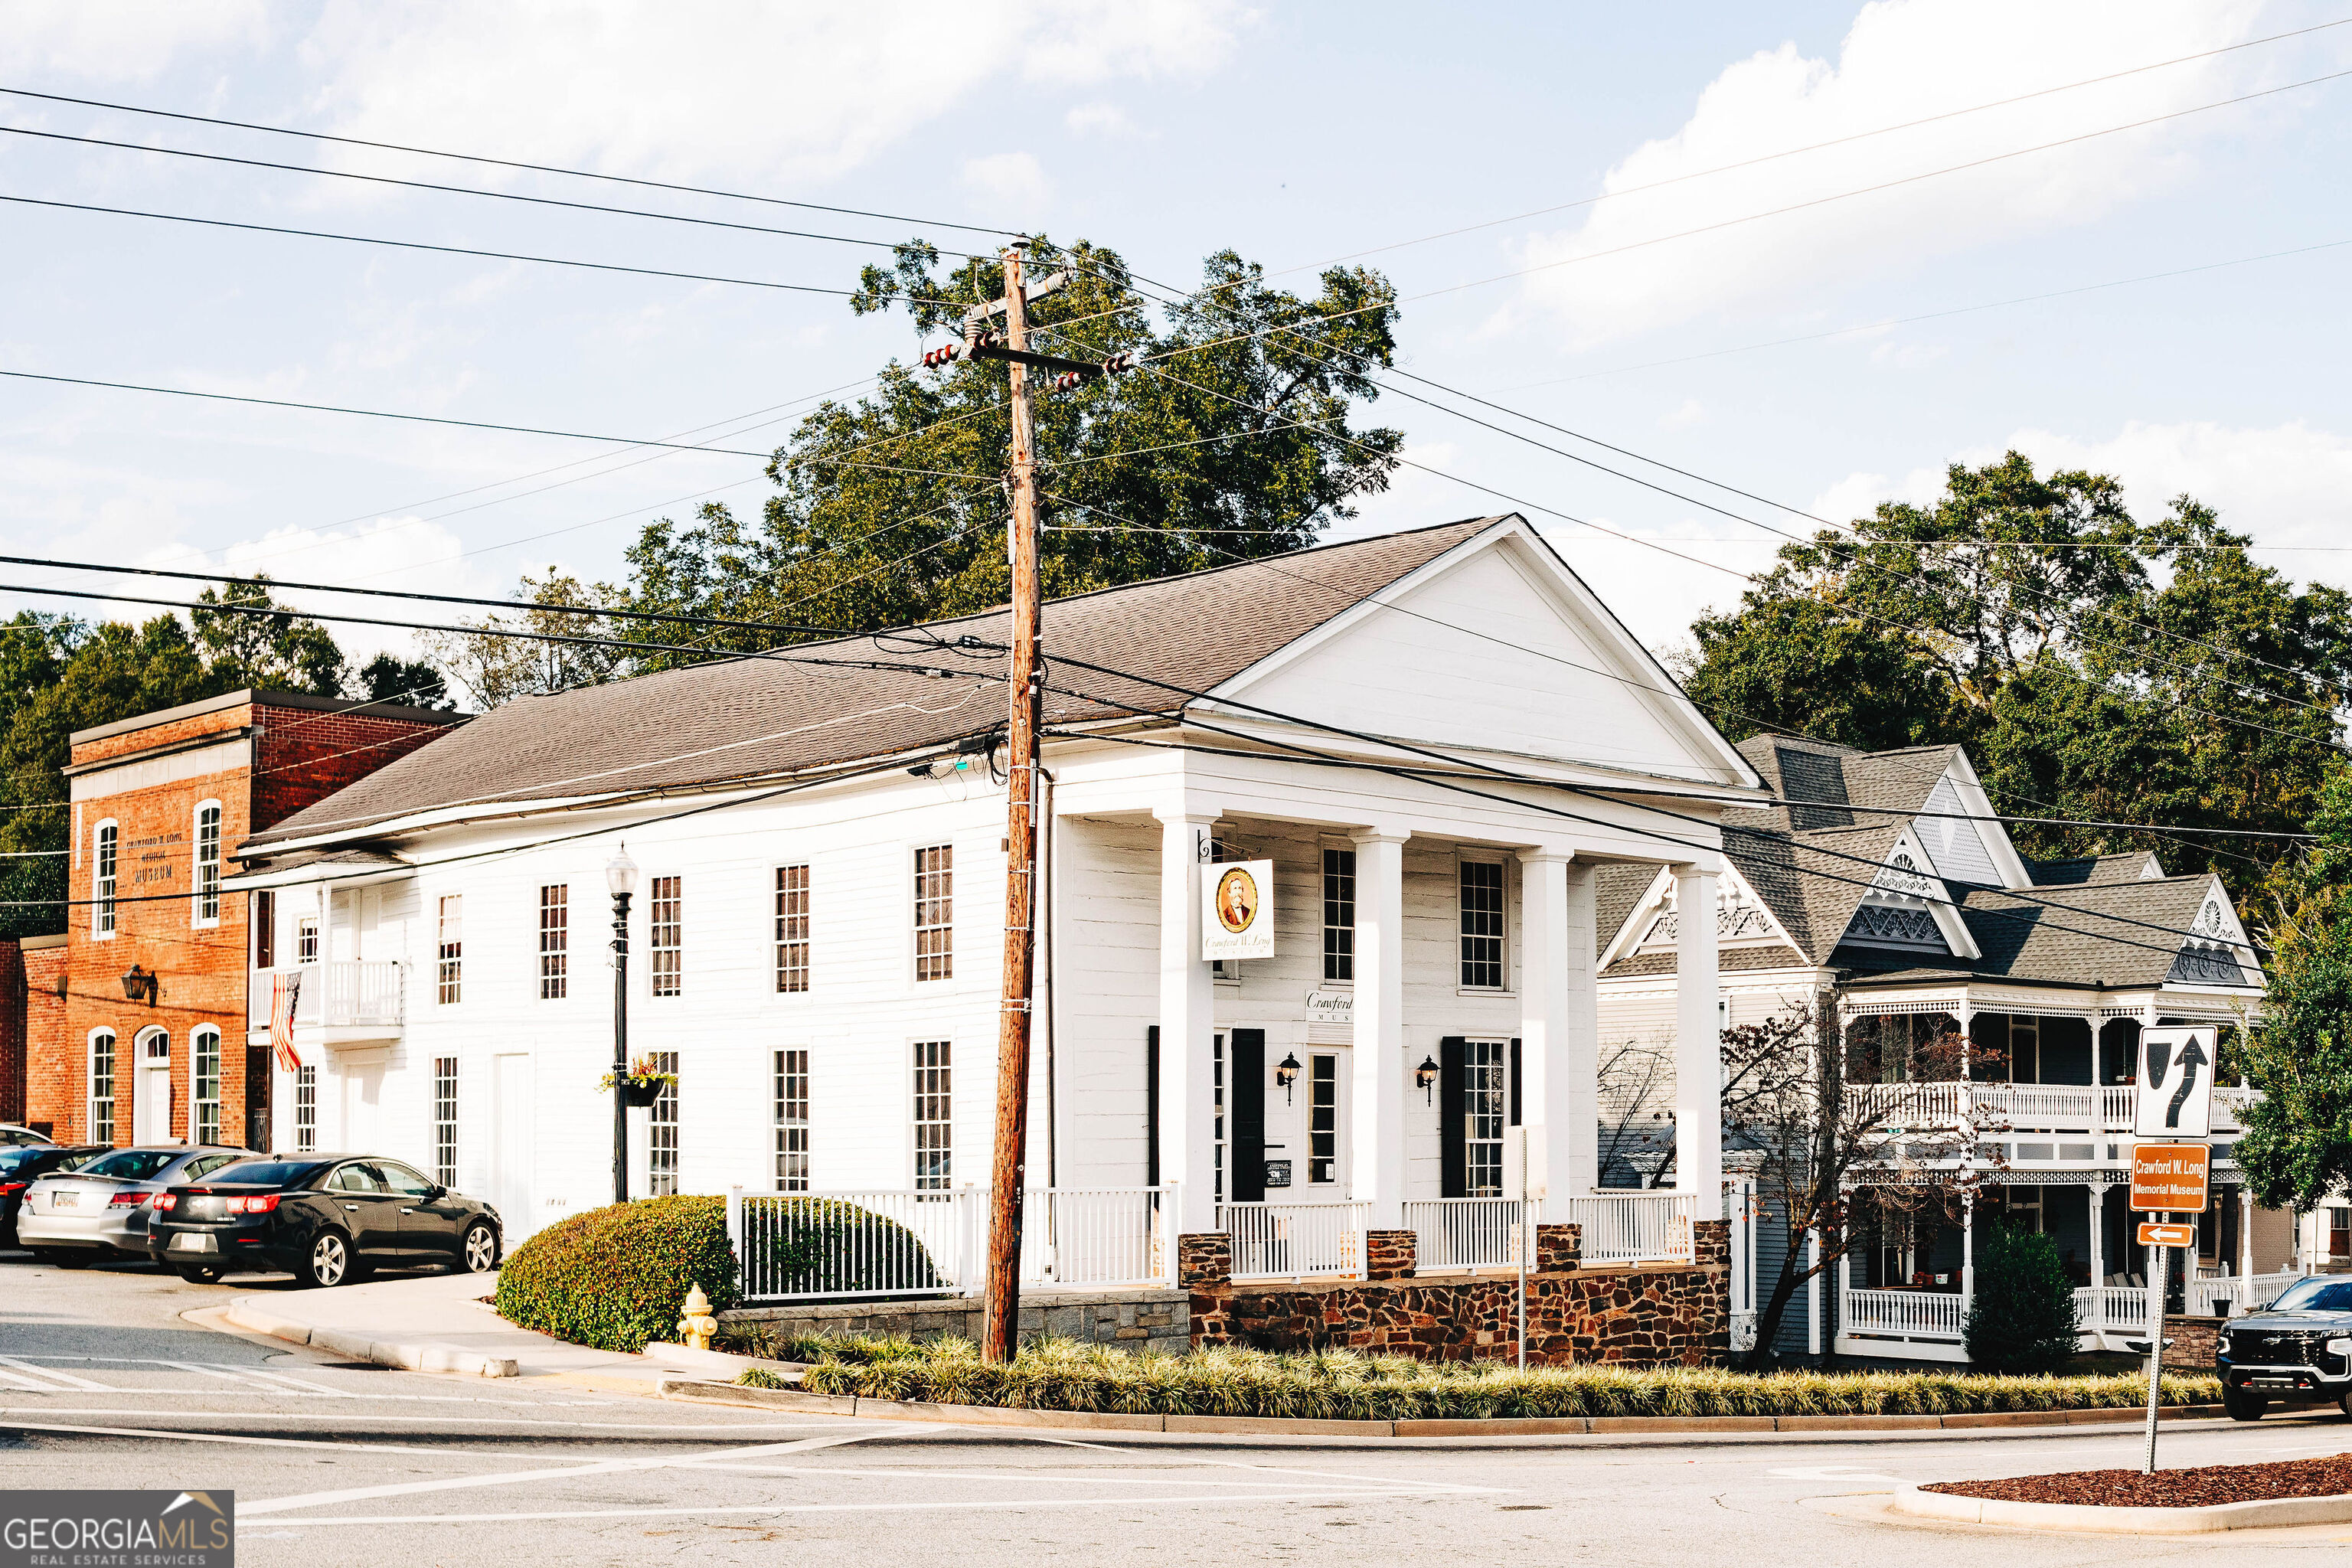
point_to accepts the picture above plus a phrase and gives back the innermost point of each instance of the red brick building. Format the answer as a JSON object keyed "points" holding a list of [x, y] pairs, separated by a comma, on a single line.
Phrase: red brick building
{"points": [[146, 1039]]}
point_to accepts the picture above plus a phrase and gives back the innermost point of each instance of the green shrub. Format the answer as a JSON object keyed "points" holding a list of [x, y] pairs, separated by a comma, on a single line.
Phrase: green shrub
{"points": [[2022, 1316], [827, 1246], [616, 1277], [1051, 1374]]}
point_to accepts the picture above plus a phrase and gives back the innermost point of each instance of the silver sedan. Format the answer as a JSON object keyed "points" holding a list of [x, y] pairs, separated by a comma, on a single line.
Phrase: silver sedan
{"points": [[80, 1216]]}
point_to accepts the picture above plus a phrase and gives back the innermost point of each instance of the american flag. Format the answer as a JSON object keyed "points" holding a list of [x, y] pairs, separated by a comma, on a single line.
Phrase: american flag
{"points": [[285, 993]]}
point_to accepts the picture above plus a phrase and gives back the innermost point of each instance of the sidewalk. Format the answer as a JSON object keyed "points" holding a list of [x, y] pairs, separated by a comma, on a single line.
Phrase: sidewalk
{"points": [[432, 1322]]}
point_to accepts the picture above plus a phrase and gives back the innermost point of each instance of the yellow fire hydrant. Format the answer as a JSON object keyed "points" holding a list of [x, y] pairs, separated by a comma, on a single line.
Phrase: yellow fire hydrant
{"points": [[699, 1322]]}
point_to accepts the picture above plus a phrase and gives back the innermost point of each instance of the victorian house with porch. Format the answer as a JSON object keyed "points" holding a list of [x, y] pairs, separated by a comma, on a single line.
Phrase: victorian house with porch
{"points": [[1886, 881]]}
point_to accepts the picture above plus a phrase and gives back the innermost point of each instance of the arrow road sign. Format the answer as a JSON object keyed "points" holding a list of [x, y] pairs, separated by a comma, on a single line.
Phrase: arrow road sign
{"points": [[2176, 1082], [2153, 1235]]}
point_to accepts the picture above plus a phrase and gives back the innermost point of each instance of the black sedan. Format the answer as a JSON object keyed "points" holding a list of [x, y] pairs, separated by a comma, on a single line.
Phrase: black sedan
{"points": [[324, 1218], [21, 1165], [2296, 1350]]}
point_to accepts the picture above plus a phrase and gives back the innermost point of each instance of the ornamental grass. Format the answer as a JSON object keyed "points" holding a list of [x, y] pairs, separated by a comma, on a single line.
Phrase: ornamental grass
{"points": [[1062, 1374]]}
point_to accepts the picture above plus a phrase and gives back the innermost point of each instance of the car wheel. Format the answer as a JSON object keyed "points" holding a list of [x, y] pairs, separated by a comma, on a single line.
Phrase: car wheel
{"points": [[478, 1253], [201, 1273], [328, 1262], [2242, 1406]]}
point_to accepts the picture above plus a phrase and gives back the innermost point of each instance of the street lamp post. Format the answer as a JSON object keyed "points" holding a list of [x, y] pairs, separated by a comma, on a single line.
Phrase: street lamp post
{"points": [[620, 877]]}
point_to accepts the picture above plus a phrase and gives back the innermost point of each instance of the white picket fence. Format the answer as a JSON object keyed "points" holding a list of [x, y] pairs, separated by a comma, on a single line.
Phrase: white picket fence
{"points": [[1633, 1227], [1296, 1241], [1914, 1314], [2233, 1296], [1458, 1234]]}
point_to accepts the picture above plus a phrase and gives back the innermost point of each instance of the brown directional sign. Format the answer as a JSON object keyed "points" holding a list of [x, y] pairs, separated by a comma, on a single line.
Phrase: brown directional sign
{"points": [[2170, 1178], [2166, 1234]]}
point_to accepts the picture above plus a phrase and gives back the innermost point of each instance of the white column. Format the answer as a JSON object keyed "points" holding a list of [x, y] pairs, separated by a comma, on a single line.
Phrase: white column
{"points": [[1378, 1122], [1188, 1134], [1814, 1293], [1967, 1249], [1560, 1027], [2098, 1192], [1698, 1053]]}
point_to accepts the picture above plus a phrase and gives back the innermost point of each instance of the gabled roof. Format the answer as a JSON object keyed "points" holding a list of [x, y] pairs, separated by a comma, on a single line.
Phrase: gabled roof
{"points": [[2138, 866], [808, 706], [2024, 939]]}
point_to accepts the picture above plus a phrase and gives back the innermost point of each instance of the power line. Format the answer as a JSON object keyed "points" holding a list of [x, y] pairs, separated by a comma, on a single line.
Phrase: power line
{"points": [[494, 163]]}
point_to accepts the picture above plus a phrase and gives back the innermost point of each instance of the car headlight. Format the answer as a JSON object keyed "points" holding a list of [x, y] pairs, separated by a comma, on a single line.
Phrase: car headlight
{"points": [[2340, 1345]]}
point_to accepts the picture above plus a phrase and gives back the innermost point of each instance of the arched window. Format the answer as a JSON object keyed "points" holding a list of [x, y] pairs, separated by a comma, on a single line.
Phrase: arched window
{"points": [[101, 891], [208, 864], [101, 1086], [204, 1096]]}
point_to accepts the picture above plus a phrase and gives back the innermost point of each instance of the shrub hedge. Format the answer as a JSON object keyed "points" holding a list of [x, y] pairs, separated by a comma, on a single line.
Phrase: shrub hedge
{"points": [[615, 1277], [2021, 1318], [1065, 1376]]}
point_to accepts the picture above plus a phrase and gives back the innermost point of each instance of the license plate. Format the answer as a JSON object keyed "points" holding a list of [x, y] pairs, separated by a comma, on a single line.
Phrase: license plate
{"points": [[65, 1200], [189, 1241]]}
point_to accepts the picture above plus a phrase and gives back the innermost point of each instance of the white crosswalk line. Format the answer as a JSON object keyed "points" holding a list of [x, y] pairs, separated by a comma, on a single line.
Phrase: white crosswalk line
{"points": [[66, 1378], [301, 1384]]}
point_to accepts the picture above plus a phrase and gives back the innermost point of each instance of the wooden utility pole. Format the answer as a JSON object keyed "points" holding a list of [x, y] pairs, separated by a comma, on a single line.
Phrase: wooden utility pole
{"points": [[1001, 1332]]}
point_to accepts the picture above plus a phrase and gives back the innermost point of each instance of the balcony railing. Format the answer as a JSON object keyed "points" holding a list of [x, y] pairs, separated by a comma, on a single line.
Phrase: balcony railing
{"points": [[357, 994], [2081, 1109]]}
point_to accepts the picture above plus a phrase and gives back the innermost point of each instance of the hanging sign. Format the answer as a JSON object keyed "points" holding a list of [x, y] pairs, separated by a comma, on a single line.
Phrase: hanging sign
{"points": [[1237, 909], [2170, 1178], [2176, 1082]]}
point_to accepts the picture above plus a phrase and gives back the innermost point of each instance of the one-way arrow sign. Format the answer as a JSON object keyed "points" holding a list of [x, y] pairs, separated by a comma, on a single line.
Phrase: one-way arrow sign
{"points": [[2175, 1083]]}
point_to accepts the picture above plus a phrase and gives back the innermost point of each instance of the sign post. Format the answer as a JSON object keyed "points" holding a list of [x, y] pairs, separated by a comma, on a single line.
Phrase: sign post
{"points": [[2167, 1178]]}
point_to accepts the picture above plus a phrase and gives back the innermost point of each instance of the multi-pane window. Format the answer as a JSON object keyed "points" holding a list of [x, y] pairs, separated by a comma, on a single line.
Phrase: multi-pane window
{"points": [[792, 1122], [450, 948], [554, 942], [205, 1050], [103, 886], [208, 865], [444, 1120], [1338, 914], [264, 917], [667, 934], [661, 1161], [306, 1110], [935, 913], [101, 1086], [1486, 1105], [1482, 922], [1322, 1118], [791, 928], [306, 940], [934, 1108]]}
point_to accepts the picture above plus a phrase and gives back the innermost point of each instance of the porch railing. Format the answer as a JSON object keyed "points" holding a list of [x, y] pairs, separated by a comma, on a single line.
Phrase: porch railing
{"points": [[1296, 1241], [340, 994], [2111, 1310], [1461, 1234], [2056, 1108], [1914, 1314], [1099, 1236], [2231, 1297], [1633, 1227]]}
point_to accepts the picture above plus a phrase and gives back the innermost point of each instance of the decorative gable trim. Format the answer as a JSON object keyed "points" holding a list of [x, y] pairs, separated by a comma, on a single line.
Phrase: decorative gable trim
{"points": [[1741, 918], [1909, 907], [2215, 952]]}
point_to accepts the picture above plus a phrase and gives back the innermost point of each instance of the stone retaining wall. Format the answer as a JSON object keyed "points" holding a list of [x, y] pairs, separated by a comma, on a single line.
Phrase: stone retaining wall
{"points": [[1638, 1315], [1157, 1320], [2193, 1340]]}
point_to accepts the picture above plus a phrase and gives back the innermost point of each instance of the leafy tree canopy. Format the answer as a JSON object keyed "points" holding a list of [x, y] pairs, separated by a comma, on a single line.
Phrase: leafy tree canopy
{"points": [[2095, 665], [1232, 439]]}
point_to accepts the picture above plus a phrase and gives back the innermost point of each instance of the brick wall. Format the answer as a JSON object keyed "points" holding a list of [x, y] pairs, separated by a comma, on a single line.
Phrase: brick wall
{"points": [[305, 755], [12, 1030], [44, 960]]}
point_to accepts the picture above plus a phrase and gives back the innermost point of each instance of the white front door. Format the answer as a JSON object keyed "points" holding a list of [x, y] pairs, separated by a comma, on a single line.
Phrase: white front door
{"points": [[1323, 1175], [511, 1145], [151, 1106]]}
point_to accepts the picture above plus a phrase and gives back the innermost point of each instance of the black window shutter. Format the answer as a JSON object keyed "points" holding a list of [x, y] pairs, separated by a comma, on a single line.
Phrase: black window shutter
{"points": [[1245, 1094], [1151, 1107], [1451, 1085], [1515, 1080]]}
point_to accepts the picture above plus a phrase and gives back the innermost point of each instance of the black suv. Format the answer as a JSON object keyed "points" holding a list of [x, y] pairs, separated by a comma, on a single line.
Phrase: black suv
{"points": [[324, 1218], [2297, 1349]]}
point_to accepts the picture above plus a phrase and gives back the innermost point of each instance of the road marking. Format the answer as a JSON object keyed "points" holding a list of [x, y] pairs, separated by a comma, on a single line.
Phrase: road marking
{"points": [[302, 1383], [993, 1504], [67, 1378], [443, 1420], [1272, 1469], [1837, 1473]]}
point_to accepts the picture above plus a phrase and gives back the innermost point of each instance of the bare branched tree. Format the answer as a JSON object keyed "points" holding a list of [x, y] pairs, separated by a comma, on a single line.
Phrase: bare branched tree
{"points": [[497, 669]]}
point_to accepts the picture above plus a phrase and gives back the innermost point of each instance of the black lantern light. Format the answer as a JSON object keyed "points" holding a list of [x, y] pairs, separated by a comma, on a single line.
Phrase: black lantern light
{"points": [[1424, 1079], [1286, 1073], [139, 982]]}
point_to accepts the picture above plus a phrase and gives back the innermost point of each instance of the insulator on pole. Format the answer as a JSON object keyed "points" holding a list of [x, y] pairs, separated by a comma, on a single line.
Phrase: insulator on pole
{"points": [[1118, 362], [935, 358]]}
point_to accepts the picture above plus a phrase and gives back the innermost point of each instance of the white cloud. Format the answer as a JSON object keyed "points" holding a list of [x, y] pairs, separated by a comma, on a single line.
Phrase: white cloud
{"points": [[1104, 119], [1011, 180], [120, 40], [1901, 61], [1682, 418]]}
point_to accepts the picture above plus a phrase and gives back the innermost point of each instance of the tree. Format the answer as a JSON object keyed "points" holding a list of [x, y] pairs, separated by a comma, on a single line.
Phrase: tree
{"points": [[2095, 666], [1232, 441], [496, 668], [409, 682], [2021, 1319], [279, 649]]}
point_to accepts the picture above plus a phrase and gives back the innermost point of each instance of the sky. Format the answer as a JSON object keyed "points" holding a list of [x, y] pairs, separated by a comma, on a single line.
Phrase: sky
{"points": [[1813, 252]]}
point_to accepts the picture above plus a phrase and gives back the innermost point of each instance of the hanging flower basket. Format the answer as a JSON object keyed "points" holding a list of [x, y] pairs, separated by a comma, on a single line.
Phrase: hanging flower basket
{"points": [[640, 1086], [638, 1095]]}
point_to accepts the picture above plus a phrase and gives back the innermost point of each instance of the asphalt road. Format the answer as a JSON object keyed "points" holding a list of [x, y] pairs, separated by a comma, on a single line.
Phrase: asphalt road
{"points": [[104, 1384]]}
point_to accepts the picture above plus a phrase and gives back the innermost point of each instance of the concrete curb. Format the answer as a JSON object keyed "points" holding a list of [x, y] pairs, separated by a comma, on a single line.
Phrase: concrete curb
{"points": [[702, 1392], [423, 1356], [2089, 1519], [708, 1364]]}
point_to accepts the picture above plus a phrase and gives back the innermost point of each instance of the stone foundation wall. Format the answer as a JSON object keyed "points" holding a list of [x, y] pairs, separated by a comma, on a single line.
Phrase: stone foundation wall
{"points": [[2193, 1341], [1132, 1320], [1641, 1315]]}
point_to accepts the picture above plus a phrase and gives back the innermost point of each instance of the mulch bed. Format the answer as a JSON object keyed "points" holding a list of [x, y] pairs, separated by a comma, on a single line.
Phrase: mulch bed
{"points": [[2202, 1487]]}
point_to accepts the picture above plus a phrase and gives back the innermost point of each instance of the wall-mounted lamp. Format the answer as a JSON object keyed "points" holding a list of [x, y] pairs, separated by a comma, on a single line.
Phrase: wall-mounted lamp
{"points": [[1424, 1079], [1286, 1073], [139, 982]]}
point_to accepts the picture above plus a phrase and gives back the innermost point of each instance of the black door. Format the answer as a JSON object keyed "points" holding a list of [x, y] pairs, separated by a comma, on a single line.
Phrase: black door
{"points": [[430, 1219], [1245, 1087], [256, 1099], [365, 1208]]}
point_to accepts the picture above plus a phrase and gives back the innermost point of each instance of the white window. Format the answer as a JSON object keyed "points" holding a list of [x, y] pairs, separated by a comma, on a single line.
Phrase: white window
{"points": [[306, 940], [554, 944], [1339, 914], [1217, 1115], [103, 881], [208, 863], [668, 936], [101, 1086], [1481, 924], [1485, 1106], [935, 913], [444, 1120], [205, 1047], [450, 950], [934, 1107], [661, 1162], [791, 928], [306, 1110], [1322, 1120], [792, 1122]]}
